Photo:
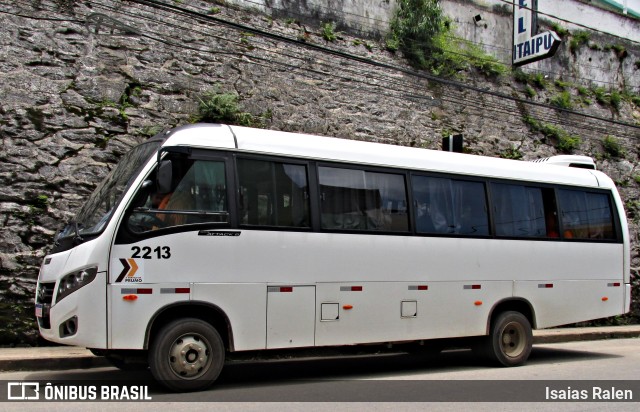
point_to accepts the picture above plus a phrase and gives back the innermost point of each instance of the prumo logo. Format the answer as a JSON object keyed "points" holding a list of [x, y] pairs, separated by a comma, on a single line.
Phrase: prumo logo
{"points": [[23, 391]]}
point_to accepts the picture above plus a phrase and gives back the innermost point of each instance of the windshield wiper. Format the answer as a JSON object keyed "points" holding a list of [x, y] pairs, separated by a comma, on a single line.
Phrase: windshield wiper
{"points": [[77, 239]]}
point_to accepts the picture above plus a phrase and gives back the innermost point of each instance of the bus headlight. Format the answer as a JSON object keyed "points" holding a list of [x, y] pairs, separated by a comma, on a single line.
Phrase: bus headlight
{"points": [[74, 281]]}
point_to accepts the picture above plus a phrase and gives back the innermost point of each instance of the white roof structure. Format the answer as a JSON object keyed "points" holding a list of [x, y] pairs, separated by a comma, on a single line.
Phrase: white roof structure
{"points": [[320, 148]]}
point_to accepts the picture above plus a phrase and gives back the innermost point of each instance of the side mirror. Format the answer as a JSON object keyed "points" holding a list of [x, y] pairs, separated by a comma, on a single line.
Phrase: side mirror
{"points": [[164, 176]]}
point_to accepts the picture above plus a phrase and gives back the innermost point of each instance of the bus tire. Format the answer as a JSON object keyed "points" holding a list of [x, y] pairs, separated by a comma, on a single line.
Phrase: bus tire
{"points": [[510, 340], [187, 355]]}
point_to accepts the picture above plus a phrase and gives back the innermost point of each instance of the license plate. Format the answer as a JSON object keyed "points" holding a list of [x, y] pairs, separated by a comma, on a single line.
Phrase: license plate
{"points": [[38, 310]]}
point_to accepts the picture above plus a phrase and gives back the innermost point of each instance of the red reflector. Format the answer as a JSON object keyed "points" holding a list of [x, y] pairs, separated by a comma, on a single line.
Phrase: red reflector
{"points": [[129, 297], [423, 287], [356, 288], [616, 284], [548, 285], [476, 286], [144, 291], [286, 289], [183, 290]]}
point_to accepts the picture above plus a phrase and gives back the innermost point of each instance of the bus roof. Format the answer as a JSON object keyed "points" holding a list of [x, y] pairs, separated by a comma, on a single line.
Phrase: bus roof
{"points": [[249, 140]]}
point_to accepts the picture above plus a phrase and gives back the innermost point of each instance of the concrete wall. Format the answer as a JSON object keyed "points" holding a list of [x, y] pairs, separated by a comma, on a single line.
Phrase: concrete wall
{"points": [[595, 62], [373, 15]]}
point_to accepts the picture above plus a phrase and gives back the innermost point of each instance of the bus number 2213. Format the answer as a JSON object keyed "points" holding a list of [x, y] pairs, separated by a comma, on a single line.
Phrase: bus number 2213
{"points": [[160, 252]]}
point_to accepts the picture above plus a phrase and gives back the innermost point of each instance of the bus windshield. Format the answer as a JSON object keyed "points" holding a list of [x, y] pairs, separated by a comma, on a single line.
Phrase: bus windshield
{"points": [[96, 212]]}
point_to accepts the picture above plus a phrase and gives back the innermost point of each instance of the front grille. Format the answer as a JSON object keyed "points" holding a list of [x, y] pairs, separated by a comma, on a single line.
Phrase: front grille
{"points": [[44, 296], [45, 293]]}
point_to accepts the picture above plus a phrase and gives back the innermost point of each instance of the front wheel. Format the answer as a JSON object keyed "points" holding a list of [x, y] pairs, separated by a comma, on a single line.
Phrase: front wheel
{"points": [[187, 355], [510, 340]]}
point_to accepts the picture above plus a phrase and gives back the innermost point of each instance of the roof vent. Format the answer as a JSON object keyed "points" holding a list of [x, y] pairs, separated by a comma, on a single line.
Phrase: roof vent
{"points": [[582, 162]]}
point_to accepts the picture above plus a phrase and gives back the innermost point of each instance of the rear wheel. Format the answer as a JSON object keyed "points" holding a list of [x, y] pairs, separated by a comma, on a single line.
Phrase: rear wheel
{"points": [[510, 340], [187, 355]]}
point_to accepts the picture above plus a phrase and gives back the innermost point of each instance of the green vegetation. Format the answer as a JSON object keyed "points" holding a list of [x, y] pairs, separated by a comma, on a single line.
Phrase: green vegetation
{"points": [[520, 76], [564, 142], [613, 147], [560, 31], [615, 99], [150, 131], [539, 81], [620, 51], [217, 107], [511, 153], [633, 209], [41, 202], [561, 85], [529, 92], [582, 91], [422, 33], [358, 42], [328, 31], [600, 93], [562, 100], [578, 39]]}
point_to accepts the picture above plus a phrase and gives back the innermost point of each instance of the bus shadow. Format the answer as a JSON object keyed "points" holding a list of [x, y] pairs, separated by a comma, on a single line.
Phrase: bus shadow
{"points": [[264, 373], [377, 366]]}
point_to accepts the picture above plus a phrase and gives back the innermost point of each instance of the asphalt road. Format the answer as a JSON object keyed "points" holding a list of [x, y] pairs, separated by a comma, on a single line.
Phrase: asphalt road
{"points": [[392, 382]]}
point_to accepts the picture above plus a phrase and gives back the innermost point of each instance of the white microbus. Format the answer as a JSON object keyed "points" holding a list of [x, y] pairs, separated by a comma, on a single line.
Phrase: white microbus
{"points": [[211, 239]]}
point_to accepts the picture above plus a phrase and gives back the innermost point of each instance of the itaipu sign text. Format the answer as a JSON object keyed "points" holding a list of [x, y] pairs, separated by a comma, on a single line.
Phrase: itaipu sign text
{"points": [[528, 46]]}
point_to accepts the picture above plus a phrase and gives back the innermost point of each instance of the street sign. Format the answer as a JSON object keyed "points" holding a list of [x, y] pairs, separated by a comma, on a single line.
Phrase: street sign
{"points": [[527, 45]]}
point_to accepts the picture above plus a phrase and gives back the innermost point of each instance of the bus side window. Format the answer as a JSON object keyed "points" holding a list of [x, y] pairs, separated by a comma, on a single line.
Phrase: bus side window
{"points": [[197, 195], [524, 211], [273, 194], [450, 206], [354, 199], [586, 215]]}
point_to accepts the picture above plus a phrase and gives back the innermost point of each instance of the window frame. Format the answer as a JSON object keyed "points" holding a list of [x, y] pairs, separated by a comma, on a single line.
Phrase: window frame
{"points": [[404, 173], [126, 236], [458, 177], [617, 227], [272, 159]]}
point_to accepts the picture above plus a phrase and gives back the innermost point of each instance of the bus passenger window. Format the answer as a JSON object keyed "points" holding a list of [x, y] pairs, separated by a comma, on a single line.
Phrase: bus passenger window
{"points": [[524, 211], [450, 207], [586, 215], [198, 195], [353, 199], [273, 194]]}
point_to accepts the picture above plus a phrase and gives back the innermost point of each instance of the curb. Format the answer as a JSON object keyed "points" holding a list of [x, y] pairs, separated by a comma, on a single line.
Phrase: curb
{"points": [[53, 363], [550, 336]]}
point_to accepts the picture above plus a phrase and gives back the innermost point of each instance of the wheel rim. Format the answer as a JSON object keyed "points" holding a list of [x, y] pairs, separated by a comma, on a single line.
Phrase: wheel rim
{"points": [[189, 356], [513, 339]]}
